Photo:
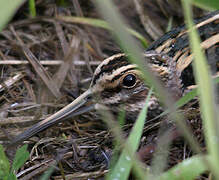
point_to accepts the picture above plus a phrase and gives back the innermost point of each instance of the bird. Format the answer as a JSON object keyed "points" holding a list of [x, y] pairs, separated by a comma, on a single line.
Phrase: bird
{"points": [[119, 84]]}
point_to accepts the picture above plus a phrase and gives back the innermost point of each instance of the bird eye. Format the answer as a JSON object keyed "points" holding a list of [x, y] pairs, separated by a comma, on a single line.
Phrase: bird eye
{"points": [[129, 80]]}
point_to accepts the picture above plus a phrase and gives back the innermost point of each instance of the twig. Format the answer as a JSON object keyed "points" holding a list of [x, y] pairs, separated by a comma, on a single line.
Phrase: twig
{"points": [[47, 62], [12, 80]]}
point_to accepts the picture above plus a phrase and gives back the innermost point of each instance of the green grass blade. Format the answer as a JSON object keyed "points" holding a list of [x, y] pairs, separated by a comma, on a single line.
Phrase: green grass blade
{"points": [[170, 24], [4, 163], [11, 176], [208, 5], [136, 34], [188, 169], [46, 175], [7, 10], [32, 8], [186, 98], [205, 91], [181, 102], [122, 168], [21, 157], [102, 24]]}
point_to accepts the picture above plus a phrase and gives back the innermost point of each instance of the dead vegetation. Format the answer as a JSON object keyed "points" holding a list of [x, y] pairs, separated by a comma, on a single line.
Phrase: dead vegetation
{"points": [[46, 63]]}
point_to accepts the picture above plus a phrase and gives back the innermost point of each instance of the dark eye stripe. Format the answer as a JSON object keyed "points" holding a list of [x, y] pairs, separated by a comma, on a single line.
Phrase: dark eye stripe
{"points": [[111, 66]]}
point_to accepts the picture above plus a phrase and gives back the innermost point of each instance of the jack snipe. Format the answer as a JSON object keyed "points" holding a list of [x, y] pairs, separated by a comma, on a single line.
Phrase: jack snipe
{"points": [[119, 83]]}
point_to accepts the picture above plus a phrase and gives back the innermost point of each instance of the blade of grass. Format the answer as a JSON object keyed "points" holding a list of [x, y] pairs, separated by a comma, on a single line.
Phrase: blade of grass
{"points": [[117, 131], [208, 5], [32, 8], [46, 175], [188, 169], [122, 168], [7, 10], [160, 156], [181, 102], [102, 24], [205, 92], [185, 99], [20, 158], [4, 164], [170, 24]]}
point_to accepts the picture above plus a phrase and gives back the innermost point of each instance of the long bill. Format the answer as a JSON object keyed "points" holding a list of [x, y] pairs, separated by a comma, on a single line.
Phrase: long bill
{"points": [[71, 110]]}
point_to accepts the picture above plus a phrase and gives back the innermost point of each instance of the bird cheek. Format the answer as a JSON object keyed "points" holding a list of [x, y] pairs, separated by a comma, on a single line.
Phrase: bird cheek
{"points": [[125, 94]]}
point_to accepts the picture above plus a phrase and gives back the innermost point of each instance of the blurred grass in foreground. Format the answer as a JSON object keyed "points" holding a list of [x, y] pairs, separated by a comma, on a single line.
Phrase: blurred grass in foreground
{"points": [[7, 10], [102, 24]]}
